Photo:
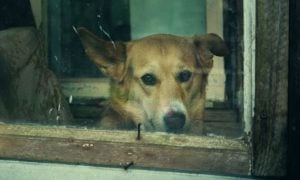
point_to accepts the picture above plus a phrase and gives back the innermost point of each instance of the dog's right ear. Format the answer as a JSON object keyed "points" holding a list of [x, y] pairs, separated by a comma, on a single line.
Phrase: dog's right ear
{"points": [[206, 47], [108, 56]]}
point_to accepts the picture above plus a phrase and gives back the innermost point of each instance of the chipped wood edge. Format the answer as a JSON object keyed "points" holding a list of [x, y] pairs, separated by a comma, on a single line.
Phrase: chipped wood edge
{"points": [[154, 138]]}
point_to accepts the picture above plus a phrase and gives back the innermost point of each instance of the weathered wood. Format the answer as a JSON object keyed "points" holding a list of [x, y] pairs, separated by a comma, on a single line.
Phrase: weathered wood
{"points": [[294, 93], [158, 138], [270, 122], [85, 87], [116, 148], [224, 129], [220, 115]]}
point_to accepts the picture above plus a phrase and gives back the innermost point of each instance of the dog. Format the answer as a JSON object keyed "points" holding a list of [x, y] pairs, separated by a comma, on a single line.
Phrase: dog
{"points": [[158, 81]]}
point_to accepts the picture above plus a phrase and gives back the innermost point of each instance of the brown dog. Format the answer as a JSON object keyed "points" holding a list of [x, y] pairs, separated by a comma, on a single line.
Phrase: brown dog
{"points": [[158, 81]]}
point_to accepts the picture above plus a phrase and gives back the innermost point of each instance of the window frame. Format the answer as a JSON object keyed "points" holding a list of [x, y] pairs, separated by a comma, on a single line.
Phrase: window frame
{"points": [[116, 148], [67, 145]]}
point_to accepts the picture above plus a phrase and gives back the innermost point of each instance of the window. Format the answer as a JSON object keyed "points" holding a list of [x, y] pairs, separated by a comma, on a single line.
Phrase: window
{"points": [[53, 96], [125, 21]]}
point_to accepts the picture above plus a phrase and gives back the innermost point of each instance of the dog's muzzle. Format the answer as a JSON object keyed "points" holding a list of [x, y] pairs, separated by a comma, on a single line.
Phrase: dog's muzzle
{"points": [[174, 121]]}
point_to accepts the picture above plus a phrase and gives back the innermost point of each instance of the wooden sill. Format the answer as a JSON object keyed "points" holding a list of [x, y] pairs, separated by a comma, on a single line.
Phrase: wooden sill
{"points": [[116, 148]]}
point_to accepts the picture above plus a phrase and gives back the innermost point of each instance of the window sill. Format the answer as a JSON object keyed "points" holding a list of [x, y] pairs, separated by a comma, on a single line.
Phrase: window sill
{"points": [[116, 148]]}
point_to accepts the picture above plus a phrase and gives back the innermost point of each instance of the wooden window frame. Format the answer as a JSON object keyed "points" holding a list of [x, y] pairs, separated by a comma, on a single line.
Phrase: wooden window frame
{"points": [[116, 148], [265, 155]]}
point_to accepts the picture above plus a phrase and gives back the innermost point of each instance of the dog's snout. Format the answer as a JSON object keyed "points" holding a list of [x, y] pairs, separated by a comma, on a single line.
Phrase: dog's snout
{"points": [[174, 121]]}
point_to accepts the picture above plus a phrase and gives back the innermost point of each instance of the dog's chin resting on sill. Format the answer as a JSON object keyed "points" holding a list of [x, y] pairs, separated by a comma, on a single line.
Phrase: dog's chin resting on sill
{"points": [[158, 81]]}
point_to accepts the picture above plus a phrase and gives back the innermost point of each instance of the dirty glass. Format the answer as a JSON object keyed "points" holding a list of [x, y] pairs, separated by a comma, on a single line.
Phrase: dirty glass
{"points": [[54, 72]]}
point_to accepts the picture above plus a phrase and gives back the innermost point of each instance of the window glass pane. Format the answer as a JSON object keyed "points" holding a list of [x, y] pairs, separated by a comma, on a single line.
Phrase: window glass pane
{"points": [[109, 76], [174, 19]]}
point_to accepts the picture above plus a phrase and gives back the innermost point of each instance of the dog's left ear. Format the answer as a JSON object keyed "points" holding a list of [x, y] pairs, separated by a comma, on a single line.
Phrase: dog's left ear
{"points": [[109, 56], [208, 45]]}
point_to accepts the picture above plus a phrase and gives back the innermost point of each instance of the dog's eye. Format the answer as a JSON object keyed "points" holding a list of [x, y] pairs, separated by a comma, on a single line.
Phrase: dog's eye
{"points": [[184, 76], [149, 79]]}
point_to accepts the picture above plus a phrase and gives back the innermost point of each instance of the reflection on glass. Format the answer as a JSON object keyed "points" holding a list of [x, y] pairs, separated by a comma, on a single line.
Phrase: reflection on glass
{"points": [[60, 74]]}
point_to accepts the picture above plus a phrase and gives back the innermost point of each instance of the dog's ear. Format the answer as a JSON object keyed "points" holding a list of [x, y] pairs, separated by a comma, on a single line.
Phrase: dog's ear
{"points": [[109, 56], [206, 46]]}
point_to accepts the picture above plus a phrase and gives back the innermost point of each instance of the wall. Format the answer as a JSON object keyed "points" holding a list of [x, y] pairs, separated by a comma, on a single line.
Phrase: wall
{"points": [[168, 16], [45, 171]]}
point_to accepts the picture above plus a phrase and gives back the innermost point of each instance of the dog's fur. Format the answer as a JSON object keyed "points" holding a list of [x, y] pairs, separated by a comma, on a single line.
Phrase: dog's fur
{"points": [[158, 81]]}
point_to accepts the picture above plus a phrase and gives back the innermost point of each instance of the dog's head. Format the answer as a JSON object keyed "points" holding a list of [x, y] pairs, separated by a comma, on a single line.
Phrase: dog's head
{"points": [[158, 81]]}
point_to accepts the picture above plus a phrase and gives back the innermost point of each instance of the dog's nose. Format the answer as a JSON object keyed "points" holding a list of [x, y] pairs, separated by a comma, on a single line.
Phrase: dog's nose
{"points": [[174, 121]]}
